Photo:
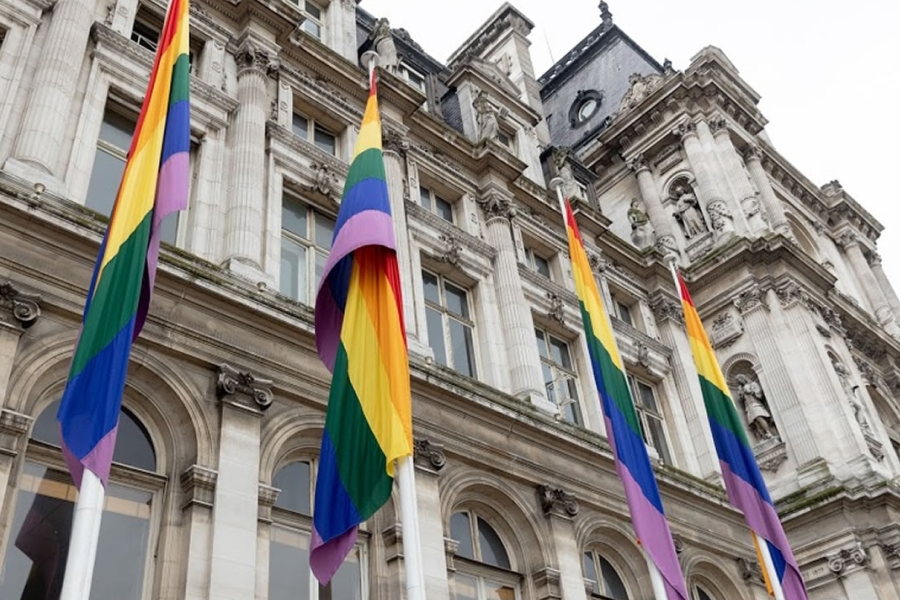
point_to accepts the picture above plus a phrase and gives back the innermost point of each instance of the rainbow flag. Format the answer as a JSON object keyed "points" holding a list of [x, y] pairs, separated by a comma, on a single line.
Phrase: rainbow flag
{"points": [[154, 185], [743, 481], [622, 426], [361, 338]]}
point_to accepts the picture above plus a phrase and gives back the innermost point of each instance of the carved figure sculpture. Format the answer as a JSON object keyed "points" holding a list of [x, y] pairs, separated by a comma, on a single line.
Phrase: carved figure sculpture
{"points": [[486, 118], [852, 395], [383, 40], [687, 211], [641, 231], [720, 217], [758, 416]]}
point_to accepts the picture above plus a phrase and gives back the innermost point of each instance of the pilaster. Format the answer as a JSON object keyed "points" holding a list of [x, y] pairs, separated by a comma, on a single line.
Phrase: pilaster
{"points": [[565, 579], [18, 311], [244, 217], [746, 202], [850, 242], [243, 398], [267, 497], [659, 219], [36, 156], [199, 486], [515, 317], [429, 460], [773, 206]]}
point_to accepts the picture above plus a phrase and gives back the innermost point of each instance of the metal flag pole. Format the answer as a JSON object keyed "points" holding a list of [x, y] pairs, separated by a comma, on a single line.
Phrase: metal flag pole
{"points": [[761, 545], [656, 578], [85, 539], [406, 477]]}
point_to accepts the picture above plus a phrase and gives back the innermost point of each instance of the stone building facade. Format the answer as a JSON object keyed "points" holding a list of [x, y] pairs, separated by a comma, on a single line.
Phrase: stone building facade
{"points": [[211, 490]]}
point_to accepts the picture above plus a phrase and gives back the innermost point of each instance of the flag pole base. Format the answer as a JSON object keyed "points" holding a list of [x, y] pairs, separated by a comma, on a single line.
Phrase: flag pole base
{"points": [[85, 539]]}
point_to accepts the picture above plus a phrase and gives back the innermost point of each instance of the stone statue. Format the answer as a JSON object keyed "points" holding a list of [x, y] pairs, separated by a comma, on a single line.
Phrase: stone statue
{"points": [[687, 211], [852, 395], [383, 42], [642, 234], [486, 118], [758, 416], [720, 217], [753, 211]]}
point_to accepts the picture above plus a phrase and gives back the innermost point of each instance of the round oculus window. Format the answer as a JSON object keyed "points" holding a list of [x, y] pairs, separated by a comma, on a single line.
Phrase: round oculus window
{"points": [[587, 108]]}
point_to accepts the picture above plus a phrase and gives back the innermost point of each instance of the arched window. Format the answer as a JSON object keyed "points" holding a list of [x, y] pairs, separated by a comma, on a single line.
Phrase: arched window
{"points": [[483, 568], [702, 594], [607, 584], [41, 524], [289, 574]]}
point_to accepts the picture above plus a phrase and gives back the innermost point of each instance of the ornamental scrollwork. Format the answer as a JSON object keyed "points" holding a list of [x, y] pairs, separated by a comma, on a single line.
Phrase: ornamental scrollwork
{"points": [[24, 308], [232, 382], [429, 453], [556, 499]]}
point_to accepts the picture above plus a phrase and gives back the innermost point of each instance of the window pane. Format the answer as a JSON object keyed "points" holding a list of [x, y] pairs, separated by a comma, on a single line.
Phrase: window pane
{"points": [[169, 229], [321, 259], [625, 313], [702, 595], [117, 130], [571, 411], [312, 28], [435, 322], [325, 140], [430, 284], [425, 197], [443, 209], [612, 583], [288, 565], [39, 540], [293, 481], [106, 175], [547, 372], [314, 11], [559, 351], [346, 583], [542, 266], [658, 439], [466, 587], [457, 302], [293, 270], [324, 231], [498, 591], [541, 343], [461, 531], [294, 217], [492, 550], [463, 348], [145, 35], [300, 126], [647, 398], [590, 572]]}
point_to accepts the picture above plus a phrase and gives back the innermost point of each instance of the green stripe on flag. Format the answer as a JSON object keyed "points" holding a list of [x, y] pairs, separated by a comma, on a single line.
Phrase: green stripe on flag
{"points": [[181, 79], [720, 408], [368, 164]]}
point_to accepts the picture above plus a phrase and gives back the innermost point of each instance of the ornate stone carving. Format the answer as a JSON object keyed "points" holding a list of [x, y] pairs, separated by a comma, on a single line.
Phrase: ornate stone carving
{"points": [[678, 543], [718, 124], [756, 409], [557, 500], [24, 308], [570, 186], [429, 454], [557, 310], [247, 388], [847, 239], [753, 152], [666, 309], [770, 454], [110, 14], [643, 354], [383, 42], [750, 571], [496, 205], [874, 259], [726, 329], [486, 118], [685, 129], [865, 369], [750, 300], [598, 264], [638, 163], [790, 293], [848, 558], [665, 245], [642, 234], [325, 180], [720, 217], [890, 550], [640, 88], [452, 249], [687, 210], [606, 17], [851, 393], [753, 211], [394, 141]]}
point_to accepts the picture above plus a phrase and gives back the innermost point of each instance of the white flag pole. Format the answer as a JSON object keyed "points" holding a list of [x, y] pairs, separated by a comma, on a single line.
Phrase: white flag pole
{"points": [[768, 566], [406, 479], [84, 540], [656, 578]]}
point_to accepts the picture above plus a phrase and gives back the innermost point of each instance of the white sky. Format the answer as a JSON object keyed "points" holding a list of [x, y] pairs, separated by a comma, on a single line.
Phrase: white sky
{"points": [[827, 71]]}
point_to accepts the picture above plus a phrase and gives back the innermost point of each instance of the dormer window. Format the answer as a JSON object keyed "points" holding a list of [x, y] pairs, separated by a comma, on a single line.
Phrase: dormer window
{"points": [[313, 17], [412, 77]]}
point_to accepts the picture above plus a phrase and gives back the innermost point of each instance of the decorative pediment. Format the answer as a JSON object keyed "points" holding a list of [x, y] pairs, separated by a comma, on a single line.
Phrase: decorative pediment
{"points": [[641, 86], [493, 72]]}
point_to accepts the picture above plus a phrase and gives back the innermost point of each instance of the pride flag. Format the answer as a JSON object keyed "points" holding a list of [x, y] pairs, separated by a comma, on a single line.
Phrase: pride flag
{"points": [[361, 338], [743, 481], [154, 185], [622, 426]]}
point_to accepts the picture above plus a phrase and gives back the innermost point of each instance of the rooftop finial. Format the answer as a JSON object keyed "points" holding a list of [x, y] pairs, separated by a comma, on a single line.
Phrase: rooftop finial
{"points": [[605, 15]]}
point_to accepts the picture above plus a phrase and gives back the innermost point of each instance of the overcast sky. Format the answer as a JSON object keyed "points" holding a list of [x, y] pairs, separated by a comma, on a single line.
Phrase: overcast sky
{"points": [[827, 71]]}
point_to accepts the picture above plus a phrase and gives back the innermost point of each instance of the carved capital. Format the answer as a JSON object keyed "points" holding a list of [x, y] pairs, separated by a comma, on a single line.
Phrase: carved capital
{"points": [[394, 141], [847, 240], [598, 264], [845, 559], [557, 501], [751, 300], [685, 129], [13, 426], [199, 486], [874, 259], [452, 249], [429, 454], [678, 543], [496, 205], [557, 310], [252, 58], [753, 152], [791, 293], [24, 308], [750, 571], [248, 390], [891, 550], [664, 309], [638, 164], [718, 124]]}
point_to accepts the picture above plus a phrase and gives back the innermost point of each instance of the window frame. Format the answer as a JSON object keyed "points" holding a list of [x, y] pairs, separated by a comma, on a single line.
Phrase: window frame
{"points": [[147, 18], [310, 244], [601, 583], [404, 69], [303, 6], [644, 414], [314, 126], [447, 315], [561, 374], [482, 571], [530, 258], [433, 198]]}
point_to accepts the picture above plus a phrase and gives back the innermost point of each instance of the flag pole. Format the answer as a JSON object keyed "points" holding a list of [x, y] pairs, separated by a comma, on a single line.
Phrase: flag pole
{"points": [[406, 477], [85, 539], [767, 565], [656, 578]]}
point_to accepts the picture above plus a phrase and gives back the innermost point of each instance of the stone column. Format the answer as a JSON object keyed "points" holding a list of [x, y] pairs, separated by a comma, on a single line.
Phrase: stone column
{"points": [[707, 187], [244, 216], [429, 460], [199, 486], [566, 581], [661, 221], [670, 323], [41, 135], [234, 537], [745, 196], [515, 317], [772, 205], [771, 349], [267, 497], [851, 245], [18, 312], [886, 288]]}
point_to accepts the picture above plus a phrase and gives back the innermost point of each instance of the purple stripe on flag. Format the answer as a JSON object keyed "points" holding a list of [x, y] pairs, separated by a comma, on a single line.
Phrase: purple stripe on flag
{"points": [[98, 461], [652, 530], [327, 558]]}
